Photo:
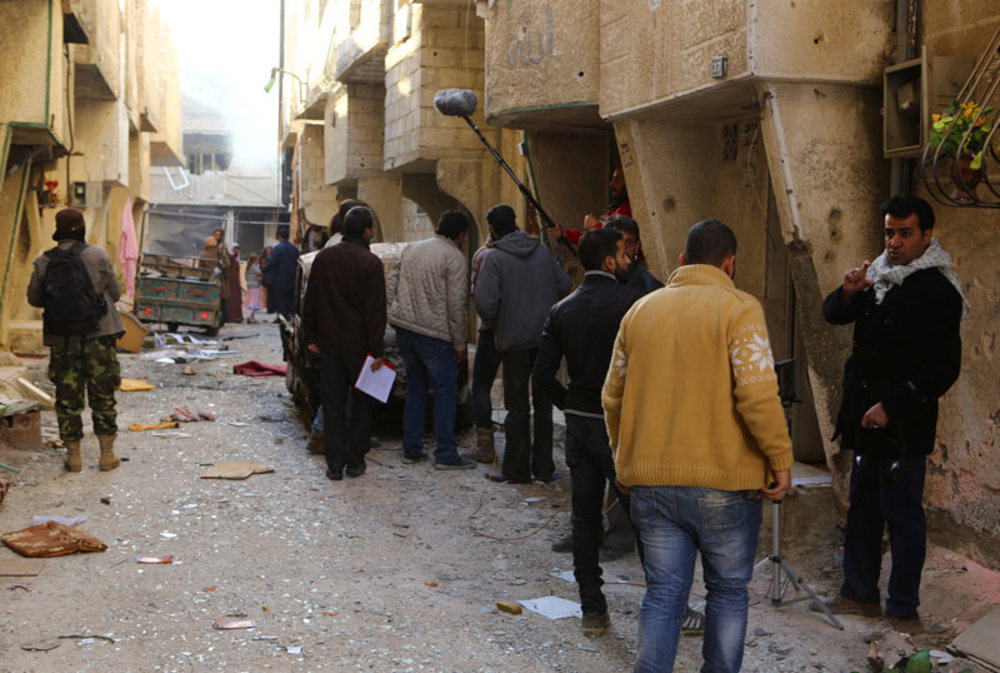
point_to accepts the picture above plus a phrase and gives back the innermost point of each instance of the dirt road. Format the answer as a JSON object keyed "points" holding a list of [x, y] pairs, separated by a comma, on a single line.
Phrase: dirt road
{"points": [[385, 572]]}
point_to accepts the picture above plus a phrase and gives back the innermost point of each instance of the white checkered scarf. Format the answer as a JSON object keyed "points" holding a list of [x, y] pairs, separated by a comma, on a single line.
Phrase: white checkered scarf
{"points": [[884, 275]]}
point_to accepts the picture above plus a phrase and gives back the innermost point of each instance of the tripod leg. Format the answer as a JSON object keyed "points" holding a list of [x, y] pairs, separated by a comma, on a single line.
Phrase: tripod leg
{"points": [[802, 584]]}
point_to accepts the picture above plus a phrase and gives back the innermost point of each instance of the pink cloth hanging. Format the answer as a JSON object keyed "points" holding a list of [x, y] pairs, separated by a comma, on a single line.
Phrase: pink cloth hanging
{"points": [[128, 248]]}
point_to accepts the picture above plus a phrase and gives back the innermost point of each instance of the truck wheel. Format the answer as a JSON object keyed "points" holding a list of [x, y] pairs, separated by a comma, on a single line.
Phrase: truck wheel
{"points": [[212, 330], [172, 326]]}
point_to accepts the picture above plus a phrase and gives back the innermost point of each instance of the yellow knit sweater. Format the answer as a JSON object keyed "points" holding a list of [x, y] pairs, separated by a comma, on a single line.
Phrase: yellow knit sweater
{"points": [[691, 398]]}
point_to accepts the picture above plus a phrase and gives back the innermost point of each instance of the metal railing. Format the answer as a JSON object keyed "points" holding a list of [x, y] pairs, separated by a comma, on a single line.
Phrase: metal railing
{"points": [[947, 166]]}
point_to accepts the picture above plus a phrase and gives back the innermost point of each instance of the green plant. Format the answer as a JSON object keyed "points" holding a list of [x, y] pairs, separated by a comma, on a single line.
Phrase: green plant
{"points": [[948, 130]]}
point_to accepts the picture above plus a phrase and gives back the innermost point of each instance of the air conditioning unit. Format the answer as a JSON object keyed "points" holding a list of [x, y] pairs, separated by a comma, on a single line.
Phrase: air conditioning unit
{"points": [[87, 195]]}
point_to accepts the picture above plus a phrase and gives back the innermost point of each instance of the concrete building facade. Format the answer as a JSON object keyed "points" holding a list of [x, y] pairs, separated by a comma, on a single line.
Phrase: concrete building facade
{"points": [[87, 138], [768, 115]]}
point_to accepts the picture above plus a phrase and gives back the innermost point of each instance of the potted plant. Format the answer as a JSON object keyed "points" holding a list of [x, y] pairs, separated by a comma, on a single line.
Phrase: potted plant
{"points": [[948, 132]]}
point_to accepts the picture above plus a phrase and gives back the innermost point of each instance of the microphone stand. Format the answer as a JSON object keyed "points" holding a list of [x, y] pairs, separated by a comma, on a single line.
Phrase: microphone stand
{"points": [[779, 564]]}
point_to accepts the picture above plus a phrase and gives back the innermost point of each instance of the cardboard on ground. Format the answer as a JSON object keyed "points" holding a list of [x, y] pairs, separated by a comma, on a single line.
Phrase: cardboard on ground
{"points": [[979, 642], [235, 469]]}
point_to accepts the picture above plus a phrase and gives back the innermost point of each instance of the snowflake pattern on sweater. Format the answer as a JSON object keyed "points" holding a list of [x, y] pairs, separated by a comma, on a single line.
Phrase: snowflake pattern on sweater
{"points": [[751, 356]]}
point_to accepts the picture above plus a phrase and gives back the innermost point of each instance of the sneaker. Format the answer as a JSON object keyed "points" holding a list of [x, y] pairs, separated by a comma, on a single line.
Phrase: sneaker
{"points": [[357, 470], [595, 623], [842, 605], [693, 622], [461, 464], [334, 475], [412, 459]]}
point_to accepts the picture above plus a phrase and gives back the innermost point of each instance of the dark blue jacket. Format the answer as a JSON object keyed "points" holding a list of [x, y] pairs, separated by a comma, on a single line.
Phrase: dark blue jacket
{"points": [[582, 328], [279, 271]]}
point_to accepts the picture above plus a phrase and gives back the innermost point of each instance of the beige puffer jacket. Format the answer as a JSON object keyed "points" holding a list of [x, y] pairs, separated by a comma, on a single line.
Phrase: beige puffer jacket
{"points": [[429, 290]]}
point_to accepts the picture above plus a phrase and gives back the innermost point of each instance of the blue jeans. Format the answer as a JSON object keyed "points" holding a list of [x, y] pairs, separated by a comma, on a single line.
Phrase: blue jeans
{"points": [[674, 522], [429, 361]]}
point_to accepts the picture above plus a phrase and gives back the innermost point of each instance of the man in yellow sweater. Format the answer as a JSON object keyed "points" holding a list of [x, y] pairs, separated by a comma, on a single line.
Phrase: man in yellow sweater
{"points": [[698, 435]]}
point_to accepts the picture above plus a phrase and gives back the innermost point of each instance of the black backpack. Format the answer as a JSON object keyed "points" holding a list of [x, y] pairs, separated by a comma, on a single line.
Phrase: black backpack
{"points": [[72, 306]]}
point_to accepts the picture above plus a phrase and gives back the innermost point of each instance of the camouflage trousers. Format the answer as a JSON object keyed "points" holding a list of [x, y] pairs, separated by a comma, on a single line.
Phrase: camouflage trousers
{"points": [[85, 368]]}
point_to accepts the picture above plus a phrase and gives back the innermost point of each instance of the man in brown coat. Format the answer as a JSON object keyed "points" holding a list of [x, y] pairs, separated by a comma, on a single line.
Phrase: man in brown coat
{"points": [[344, 318]]}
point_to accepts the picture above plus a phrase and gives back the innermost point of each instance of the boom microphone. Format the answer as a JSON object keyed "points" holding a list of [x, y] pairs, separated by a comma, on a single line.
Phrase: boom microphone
{"points": [[456, 102]]}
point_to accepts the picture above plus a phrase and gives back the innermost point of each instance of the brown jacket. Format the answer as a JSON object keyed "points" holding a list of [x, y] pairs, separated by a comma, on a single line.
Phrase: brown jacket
{"points": [[344, 308]]}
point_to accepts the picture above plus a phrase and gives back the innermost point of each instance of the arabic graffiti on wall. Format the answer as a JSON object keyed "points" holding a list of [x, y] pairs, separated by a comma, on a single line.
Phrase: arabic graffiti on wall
{"points": [[531, 36]]}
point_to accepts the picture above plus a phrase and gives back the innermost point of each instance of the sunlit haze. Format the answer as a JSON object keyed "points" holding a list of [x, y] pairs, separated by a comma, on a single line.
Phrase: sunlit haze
{"points": [[226, 50]]}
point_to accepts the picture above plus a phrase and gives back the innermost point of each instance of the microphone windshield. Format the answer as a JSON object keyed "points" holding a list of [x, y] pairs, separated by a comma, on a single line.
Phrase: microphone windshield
{"points": [[456, 102]]}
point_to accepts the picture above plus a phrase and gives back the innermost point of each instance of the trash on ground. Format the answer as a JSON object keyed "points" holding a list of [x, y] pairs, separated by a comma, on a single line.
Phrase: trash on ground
{"points": [[979, 642], [235, 624], [509, 606], [51, 539], [191, 415], [235, 469], [535, 499], [20, 567], [553, 607], [106, 500], [41, 646], [10, 468], [255, 369], [87, 636], [293, 649], [64, 520], [167, 535], [134, 385], [238, 424], [136, 427], [171, 433], [154, 559], [889, 649], [211, 588]]}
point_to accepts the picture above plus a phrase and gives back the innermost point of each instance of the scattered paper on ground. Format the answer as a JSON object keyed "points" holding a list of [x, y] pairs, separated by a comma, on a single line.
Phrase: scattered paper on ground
{"points": [[235, 624], [136, 427], [64, 520], [553, 607], [21, 567], [133, 385], [235, 469]]}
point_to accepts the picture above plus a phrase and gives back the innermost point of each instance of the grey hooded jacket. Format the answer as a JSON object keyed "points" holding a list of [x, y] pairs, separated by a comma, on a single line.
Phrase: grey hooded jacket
{"points": [[518, 283]]}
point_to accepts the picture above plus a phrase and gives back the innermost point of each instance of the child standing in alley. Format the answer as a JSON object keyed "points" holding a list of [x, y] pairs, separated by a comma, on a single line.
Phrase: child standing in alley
{"points": [[255, 297]]}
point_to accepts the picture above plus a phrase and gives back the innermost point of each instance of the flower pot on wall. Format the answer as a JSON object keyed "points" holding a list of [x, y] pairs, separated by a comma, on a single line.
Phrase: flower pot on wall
{"points": [[965, 179]]}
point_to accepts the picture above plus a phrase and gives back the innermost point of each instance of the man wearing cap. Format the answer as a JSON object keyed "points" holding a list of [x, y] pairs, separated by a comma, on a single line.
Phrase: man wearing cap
{"points": [[80, 326]]}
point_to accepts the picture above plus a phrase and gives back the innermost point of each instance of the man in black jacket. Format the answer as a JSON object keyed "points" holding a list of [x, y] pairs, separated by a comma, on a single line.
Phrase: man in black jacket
{"points": [[582, 328], [906, 308], [343, 317]]}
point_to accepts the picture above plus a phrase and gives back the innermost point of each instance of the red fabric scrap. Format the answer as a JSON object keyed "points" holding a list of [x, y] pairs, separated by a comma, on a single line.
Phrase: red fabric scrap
{"points": [[254, 368]]}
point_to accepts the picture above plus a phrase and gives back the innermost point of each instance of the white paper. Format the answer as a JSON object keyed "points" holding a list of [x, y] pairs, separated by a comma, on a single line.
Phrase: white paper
{"points": [[64, 520], [378, 384], [553, 607]]}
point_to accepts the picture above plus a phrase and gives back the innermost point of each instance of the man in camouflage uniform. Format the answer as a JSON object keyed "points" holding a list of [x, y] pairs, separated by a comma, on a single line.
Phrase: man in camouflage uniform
{"points": [[87, 364]]}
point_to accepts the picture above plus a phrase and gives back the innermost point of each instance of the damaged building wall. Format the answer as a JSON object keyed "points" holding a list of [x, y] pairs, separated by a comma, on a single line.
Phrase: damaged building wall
{"points": [[963, 479], [96, 87]]}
